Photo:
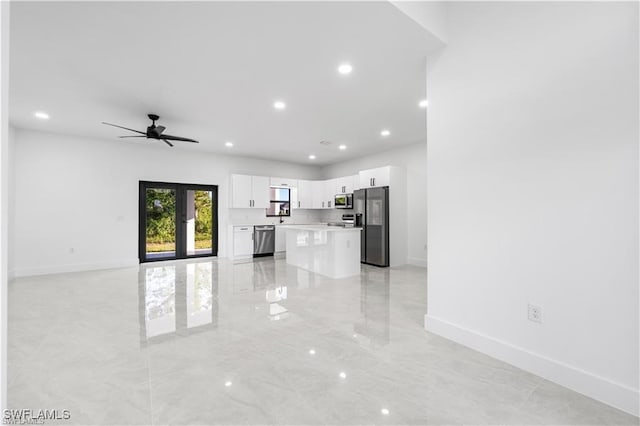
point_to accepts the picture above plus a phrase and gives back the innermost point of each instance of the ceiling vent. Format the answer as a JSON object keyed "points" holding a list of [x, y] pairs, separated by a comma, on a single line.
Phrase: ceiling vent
{"points": [[325, 143]]}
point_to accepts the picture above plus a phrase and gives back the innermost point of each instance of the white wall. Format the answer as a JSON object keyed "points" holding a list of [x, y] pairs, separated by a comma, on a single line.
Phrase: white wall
{"points": [[533, 189], [412, 158], [5, 161], [79, 193]]}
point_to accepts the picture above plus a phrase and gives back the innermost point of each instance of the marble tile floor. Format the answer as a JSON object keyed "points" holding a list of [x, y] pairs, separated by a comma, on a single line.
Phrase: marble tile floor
{"points": [[210, 341]]}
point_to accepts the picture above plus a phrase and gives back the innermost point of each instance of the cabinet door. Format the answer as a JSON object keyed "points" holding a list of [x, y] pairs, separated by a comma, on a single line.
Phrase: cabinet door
{"points": [[329, 193], [365, 179], [381, 176], [242, 242], [355, 182], [375, 177], [241, 194], [260, 191], [305, 194], [318, 195], [281, 239], [294, 198]]}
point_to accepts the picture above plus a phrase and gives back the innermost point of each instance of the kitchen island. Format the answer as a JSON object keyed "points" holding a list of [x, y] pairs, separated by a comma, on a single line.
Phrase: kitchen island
{"points": [[331, 251]]}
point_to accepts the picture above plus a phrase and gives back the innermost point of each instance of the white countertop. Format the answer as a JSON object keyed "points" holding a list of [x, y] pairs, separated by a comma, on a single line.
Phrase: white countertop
{"points": [[278, 224], [315, 228]]}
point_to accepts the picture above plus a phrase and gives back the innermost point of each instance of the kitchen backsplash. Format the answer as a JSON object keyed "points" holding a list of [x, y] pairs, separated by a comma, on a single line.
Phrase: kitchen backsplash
{"points": [[333, 215], [257, 217]]}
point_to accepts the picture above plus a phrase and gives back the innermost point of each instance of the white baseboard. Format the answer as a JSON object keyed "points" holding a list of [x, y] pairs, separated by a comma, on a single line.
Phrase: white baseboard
{"points": [[417, 261], [607, 391], [58, 269]]}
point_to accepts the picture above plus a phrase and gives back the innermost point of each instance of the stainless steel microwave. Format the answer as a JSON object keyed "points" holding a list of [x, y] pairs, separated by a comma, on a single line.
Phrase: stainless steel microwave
{"points": [[343, 201]]}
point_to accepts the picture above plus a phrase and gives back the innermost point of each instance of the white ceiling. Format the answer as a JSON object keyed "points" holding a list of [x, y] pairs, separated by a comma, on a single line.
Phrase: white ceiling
{"points": [[213, 70]]}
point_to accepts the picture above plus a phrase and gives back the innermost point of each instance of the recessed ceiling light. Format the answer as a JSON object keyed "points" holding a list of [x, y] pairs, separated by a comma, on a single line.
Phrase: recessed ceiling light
{"points": [[423, 103], [227, 383], [343, 375], [345, 69], [312, 157], [385, 132], [342, 147], [41, 115], [228, 144], [312, 351], [385, 411], [279, 105]]}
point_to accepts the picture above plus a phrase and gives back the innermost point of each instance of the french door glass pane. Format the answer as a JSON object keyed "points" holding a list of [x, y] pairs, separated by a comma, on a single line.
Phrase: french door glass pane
{"points": [[161, 223], [199, 221]]}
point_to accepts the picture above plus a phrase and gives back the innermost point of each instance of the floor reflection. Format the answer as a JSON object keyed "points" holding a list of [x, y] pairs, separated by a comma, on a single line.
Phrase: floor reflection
{"points": [[177, 299], [373, 326], [276, 310]]}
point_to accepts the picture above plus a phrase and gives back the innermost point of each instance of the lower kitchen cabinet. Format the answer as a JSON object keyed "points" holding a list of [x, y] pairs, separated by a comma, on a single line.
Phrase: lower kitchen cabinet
{"points": [[281, 239], [242, 241]]}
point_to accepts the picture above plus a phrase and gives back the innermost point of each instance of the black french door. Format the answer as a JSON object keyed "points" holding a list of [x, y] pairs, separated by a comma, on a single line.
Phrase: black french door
{"points": [[177, 221]]}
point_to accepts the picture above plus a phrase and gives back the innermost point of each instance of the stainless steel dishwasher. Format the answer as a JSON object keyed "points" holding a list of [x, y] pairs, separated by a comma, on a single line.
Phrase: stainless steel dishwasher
{"points": [[264, 240]]}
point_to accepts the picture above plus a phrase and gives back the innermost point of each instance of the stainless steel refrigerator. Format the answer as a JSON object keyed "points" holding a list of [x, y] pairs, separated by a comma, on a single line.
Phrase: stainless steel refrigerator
{"points": [[371, 210]]}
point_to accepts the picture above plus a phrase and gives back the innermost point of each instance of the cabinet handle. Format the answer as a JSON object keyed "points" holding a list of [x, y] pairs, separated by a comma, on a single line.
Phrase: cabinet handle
{"points": [[298, 204], [328, 203], [323, 204], [374, 181]]}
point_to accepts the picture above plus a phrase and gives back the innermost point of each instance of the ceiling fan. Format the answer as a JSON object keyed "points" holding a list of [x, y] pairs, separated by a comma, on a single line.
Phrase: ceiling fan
{"points": [[153, 132]]}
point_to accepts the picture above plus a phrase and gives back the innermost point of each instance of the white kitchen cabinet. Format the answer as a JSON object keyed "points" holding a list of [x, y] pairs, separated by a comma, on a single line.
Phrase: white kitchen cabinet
{"points": [[347, 184], [281, 239], [329, 190], [242, 241], [260, 192], [375, 177], [283, 182], [305, 194], [318, 194], [294, 201], [355, 182], [249, 192]]}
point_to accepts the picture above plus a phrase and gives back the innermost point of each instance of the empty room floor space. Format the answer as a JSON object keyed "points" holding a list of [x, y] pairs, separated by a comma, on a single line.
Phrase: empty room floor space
{"points": [[210, 341]]}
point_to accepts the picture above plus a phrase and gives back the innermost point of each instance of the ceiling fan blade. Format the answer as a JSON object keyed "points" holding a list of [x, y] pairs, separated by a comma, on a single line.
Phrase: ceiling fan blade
{"points": [[126, 128], [178, 138], [167, 142], [160, 129], [133, 136]]}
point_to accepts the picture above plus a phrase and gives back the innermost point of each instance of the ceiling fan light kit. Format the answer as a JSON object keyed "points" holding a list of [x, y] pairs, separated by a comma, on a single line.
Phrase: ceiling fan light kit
{"points": [[153, 132]]}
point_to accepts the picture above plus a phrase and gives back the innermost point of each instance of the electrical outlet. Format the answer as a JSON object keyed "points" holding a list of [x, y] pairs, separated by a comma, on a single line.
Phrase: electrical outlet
{"points": [[535, 313]]}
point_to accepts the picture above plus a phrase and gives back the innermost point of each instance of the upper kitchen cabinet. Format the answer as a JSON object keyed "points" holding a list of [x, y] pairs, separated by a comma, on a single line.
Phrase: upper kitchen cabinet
{"points": [[249, 192], [375, 177], [329, 191], [347, 184], [318, 194], [284, 182], [356, 182], [305, 194]]}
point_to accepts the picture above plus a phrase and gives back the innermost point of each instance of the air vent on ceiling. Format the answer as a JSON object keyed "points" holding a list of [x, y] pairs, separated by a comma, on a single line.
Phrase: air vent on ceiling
{"points": [[325, 143]]}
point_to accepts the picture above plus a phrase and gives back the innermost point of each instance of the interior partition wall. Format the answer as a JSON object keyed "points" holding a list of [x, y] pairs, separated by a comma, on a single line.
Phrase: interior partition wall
{"points": [[177, 221]]}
